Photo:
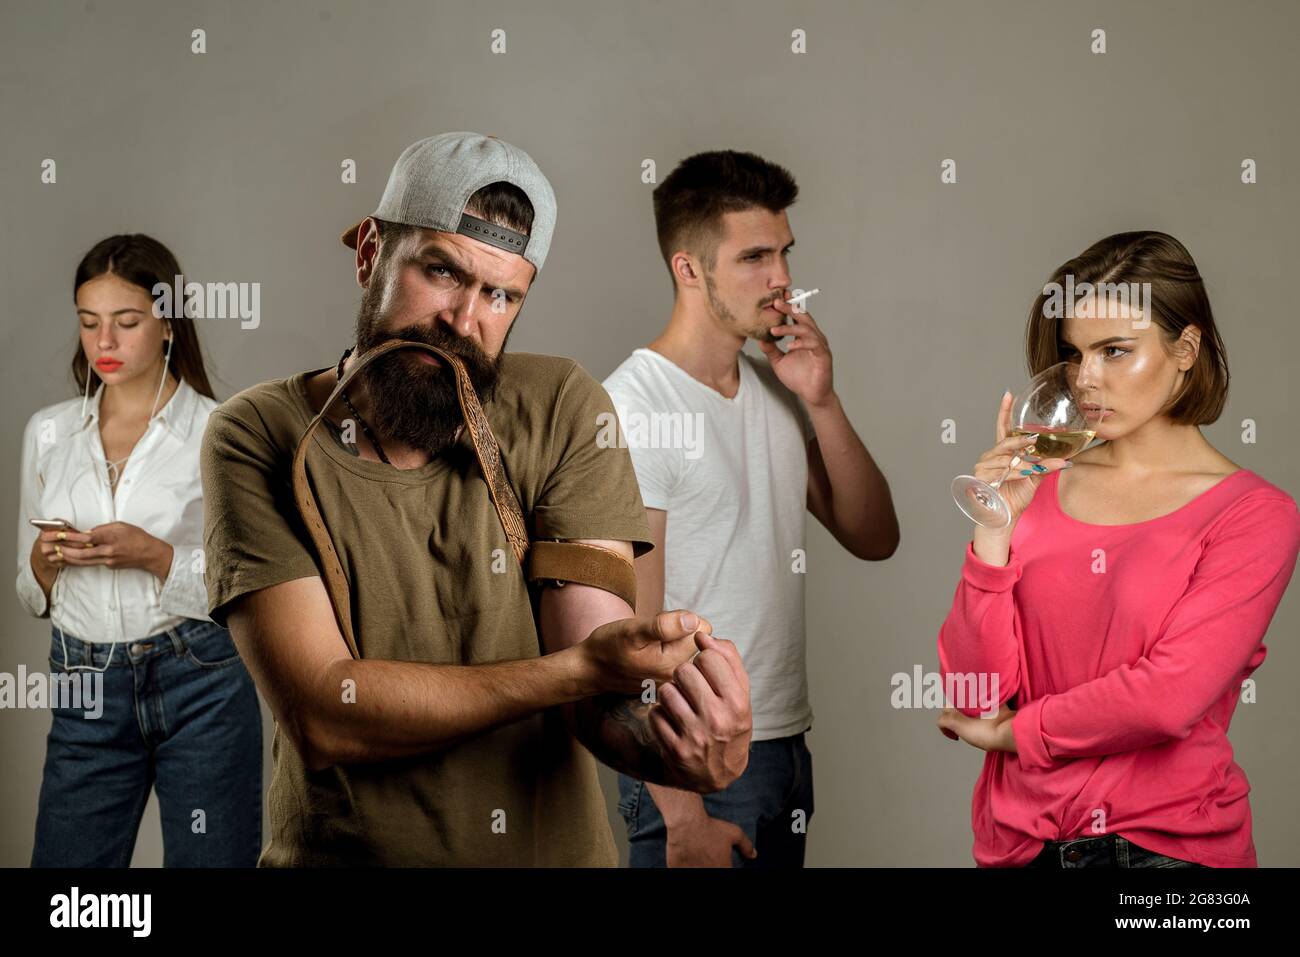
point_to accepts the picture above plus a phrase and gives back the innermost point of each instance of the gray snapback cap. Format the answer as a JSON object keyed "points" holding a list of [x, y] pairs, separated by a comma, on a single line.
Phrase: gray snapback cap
{"points": [[433, 180]]}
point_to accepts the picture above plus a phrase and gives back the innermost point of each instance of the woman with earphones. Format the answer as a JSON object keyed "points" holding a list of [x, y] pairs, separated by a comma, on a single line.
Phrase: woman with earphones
{"points": [[111, 479]]}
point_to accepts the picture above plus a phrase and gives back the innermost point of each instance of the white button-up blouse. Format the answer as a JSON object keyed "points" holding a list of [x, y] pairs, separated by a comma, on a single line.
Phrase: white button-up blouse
{"points": [[64, 476]]}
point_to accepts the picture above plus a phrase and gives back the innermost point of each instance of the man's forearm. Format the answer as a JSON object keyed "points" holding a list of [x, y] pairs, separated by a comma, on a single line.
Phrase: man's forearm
{"points": [[676, 806], [373, 710], [860, 502], [615, 728]]}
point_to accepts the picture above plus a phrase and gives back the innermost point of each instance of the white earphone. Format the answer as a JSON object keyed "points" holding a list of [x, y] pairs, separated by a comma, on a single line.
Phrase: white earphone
{"points": [[167, 361]]}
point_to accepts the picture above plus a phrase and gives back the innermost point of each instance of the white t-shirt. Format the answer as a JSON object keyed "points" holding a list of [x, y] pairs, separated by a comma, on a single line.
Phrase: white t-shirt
{"points": [[732, 474]]}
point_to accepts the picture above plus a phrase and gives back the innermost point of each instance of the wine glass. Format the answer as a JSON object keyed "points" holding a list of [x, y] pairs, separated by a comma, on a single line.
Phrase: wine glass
{"points": [[1059, 417]]}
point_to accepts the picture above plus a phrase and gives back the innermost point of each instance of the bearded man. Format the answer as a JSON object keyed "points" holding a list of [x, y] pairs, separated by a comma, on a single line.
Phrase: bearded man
{"points": [[424, 556]]}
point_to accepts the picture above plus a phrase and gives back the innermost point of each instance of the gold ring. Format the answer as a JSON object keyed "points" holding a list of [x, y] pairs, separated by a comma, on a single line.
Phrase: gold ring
{"points": [[58, 551], [62, 536]]}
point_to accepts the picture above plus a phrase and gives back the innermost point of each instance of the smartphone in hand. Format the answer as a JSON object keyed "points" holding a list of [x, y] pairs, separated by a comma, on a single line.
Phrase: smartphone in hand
{"points": [[52, 524]]}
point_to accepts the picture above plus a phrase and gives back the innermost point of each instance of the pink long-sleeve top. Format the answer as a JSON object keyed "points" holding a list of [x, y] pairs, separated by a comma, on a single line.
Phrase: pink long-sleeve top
{"points": [[1124, 648]]}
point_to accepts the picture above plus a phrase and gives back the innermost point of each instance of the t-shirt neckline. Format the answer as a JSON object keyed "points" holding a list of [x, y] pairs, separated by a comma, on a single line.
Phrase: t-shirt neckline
{"points": [[374, 471], [1056, 503], [740, 371]]}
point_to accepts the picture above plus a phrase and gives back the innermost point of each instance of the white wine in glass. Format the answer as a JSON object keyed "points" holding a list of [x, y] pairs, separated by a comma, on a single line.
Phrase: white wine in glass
{"points": [[1050, 408], [1052, 444]]}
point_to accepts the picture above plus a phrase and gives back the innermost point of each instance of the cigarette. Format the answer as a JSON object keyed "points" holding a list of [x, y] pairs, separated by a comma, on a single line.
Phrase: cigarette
{"points": [[803, 295]]}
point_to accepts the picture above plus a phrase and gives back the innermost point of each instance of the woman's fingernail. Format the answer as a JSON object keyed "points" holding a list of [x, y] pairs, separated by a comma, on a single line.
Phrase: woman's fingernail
{"points": [[1026, 472], [1040, 468]]}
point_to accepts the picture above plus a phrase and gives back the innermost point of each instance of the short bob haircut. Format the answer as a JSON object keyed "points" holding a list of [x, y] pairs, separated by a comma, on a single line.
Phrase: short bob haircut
{"points": [[1178, 300]]}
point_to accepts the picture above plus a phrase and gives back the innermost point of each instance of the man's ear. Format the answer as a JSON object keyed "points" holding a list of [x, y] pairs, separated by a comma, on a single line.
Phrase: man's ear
{"points": [[367, 250], [685, 268]]}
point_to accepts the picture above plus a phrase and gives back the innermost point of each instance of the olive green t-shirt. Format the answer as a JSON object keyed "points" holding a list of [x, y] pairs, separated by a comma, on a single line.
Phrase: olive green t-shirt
{"points": [[432, 579]]}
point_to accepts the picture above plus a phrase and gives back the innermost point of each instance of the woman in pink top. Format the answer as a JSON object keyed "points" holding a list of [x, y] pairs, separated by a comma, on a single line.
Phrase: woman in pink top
{"points": [[1124, 607]]}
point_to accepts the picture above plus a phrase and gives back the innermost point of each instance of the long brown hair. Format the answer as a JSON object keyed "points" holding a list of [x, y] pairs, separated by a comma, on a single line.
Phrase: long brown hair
{"points": [[143, 261], [1178, 300]]}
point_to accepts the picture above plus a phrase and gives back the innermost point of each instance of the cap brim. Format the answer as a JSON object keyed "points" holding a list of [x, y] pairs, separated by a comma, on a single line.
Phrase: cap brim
{"points": [[349, 236]]}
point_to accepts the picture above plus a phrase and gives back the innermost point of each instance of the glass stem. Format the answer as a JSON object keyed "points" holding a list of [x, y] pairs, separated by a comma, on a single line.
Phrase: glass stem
{"points": [[1016, 460]]}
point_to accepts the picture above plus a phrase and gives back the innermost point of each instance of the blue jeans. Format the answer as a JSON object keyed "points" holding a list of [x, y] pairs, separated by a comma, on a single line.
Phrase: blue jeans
{"points": [[1109, 851], [180, 714], [764, 802]]}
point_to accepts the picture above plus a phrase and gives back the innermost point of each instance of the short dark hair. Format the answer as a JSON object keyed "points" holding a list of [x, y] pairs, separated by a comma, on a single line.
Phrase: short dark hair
{"points": [[502, 203], [689, 204], [1178, 300]]}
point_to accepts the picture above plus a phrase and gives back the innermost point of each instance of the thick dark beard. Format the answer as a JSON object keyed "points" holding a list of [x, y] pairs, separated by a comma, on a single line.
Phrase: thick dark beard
{"points": [[411, 401]]}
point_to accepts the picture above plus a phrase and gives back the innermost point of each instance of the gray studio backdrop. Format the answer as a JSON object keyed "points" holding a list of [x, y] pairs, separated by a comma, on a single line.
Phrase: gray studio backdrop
{"points": [[233, 158]]}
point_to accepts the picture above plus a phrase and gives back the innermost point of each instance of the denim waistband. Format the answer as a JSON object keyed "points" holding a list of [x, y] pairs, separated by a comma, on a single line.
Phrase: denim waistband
{"points": [[69, 651], [1064, 853], [790, 740]]}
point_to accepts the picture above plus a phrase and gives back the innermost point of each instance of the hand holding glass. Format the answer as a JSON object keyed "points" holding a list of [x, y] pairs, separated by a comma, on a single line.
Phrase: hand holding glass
{"points": [[1051, 409]]}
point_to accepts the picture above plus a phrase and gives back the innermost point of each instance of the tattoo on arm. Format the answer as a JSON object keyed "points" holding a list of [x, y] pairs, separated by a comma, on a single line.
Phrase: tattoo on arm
{"points": [[615, 728], [632, 713]]}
